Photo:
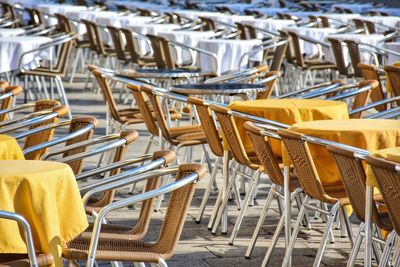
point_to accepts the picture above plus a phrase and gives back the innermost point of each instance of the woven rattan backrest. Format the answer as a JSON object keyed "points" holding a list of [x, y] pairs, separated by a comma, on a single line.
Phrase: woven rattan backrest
{"points": [[277, 58], [8, 11], [131, 45], [63, 57], [337, 50], [388, 180], [116, 37], [362, 98], [108, 196], [358, 23], [90, 35], [208, 24], [159, 113], [232, 137], [242, 30], [35, 16], [162, 52], [370, 26], [107, 94], [208, 123], [264, 152], [9, 101], [297, 49], [144, 109], [393, 74], [370, 72], [269, 85], [303, 163], [178, 205], [77, 124], [325, 21], [355, 57], [47, 135], [99, 43]]}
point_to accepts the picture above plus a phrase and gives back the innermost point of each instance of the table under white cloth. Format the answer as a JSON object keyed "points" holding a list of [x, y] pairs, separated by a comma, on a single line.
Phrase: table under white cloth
{"points": [[123, 21], [272, 25], [228, 52], [270, 11], [12, 48], [194, 14], [6, 32], [356, 8], [391, 11], [394, 46], [318, 34], [342, 17], [58, 8], [230, 19], [304, 14], [189, 38], [391, 21]]}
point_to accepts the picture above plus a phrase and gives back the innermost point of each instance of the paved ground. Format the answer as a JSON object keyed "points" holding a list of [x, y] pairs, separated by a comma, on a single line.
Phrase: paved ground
{"points": [[197, 246]]}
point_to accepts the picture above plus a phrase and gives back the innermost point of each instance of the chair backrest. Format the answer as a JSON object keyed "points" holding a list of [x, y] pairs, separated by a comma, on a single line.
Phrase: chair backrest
{"points": [[279, 54], [93, 33], [8, 11], [63, 57], [264, 152], [144, 109], [269, 85], [358, 23], [354, 179], [116, 37], [178, 205], [162, 52], [324, 21], [131, 45], [207, 122], [35, 17], [107, 94], [388, 179], [393, 74], [362, 98], [208, 24], [337, 50], [76, 124], [297, 49], [231, 134], [9, 101], [43, 136], [370, 72], [159, 113], [370, 26], [303, 163], [64, 24], [355, 57]]}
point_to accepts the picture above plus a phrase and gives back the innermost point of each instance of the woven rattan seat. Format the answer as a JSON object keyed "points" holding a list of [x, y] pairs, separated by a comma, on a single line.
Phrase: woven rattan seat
{"points": [[21, 260]]}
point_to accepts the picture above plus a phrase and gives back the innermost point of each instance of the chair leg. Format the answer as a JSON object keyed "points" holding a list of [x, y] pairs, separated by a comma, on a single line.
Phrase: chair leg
{"points": [[261, 220], [388, 248], [249, 195], [347, 225], [162, 263], [295, 232], [208, 189], [356, 247], [63, 95], [331, 218], [274, 240]]}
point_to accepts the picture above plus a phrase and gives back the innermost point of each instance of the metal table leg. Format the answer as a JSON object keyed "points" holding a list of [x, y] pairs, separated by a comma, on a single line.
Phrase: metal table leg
{"points": [[368, 226]]}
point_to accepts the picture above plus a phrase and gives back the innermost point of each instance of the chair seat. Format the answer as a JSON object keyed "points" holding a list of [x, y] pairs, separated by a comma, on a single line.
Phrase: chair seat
{"points": [[110, 231], [319, 65], [22, 260]]}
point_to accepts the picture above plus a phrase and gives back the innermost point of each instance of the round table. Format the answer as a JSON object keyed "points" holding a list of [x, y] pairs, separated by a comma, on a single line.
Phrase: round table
{"points": [[368, 134], [9, 148], [160, 73], [287, 111], [47, 195], [390, 154], [218, 88]]}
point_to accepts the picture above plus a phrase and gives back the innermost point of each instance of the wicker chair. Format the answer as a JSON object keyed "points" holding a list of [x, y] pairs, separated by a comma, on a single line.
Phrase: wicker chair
{"points": [[29, 259], [116, 249], [371, 72], [132, 47], [387, 176], [393, 74], [354, 179], [273, 168], [7, 98], [335, 195], [245, 158]]}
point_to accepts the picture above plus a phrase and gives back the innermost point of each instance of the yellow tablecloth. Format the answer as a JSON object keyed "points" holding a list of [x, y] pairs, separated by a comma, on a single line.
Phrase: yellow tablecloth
{"points": [[47, 195], [391, 154], [362, 133], [9, 148], [288, 111]]}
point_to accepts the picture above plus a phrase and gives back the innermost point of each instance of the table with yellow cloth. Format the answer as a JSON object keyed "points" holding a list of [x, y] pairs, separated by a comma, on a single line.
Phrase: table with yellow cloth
{"points": [[390, 154], [47, 195], [287, 111], [9, 148], [368, 134]]}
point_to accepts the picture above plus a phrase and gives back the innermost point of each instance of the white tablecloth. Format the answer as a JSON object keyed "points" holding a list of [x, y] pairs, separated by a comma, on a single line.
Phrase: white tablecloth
{"points": [[270, 11], [390, 11], [190, 38], [5, 32], [396, 48], [123, 21], [58, 8], [304, 14], [230, 19], [356, 8], [272, 25], [150, 28], [12, 48], [228, 54], [391, 21], [342, 17], [318, 34], [238, 7]]}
